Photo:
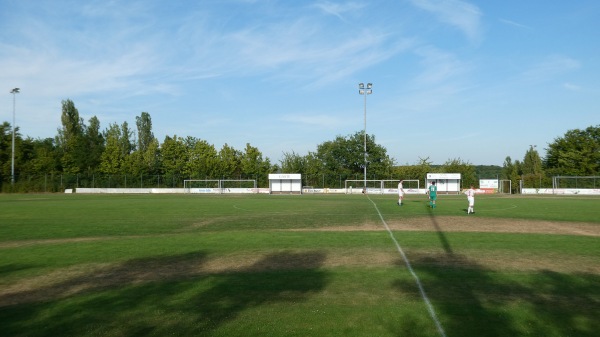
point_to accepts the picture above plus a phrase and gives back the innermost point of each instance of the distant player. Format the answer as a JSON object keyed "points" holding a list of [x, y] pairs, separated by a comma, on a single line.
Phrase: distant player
{"points": [[471, 198], [400, 193], [432, 191]]}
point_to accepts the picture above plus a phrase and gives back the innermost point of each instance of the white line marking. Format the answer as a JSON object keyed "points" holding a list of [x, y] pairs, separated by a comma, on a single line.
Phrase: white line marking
{"points": [[241, 209], [417, 280]]}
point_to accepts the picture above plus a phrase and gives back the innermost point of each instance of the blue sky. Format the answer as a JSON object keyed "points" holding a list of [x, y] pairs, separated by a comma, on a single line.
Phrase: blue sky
{"points": [[475, 80]]}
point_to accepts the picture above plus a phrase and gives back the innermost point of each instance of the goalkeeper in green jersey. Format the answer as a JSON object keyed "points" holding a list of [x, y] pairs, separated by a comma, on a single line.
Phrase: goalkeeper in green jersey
{"points": [[432, 191]]}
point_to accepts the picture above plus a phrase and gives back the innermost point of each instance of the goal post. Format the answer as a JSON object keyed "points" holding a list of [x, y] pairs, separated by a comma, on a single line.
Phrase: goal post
{"points": [[238, 186], [218, 186], [576, 185], [380, 186], [201, 185], [505, 186], [407, 184]]}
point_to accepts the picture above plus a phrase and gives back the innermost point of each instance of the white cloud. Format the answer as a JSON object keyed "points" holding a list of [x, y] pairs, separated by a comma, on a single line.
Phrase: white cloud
{"points": [[571, 86], [462, 15], [514, 24], [323, 121], [337, 9], [550, 67], [439, 66]]}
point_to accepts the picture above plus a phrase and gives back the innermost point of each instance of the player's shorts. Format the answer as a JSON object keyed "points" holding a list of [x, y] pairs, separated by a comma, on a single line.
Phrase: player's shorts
{"points": [[471, 201], [433, 196]]}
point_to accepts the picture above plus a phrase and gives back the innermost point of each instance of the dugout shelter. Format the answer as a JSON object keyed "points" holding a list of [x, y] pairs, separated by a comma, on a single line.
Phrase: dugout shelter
{"points": [[447, 183], [286, 183]]}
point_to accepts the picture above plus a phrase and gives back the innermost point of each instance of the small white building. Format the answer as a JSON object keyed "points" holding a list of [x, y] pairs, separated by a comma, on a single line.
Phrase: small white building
{"points": [[285, 183], [446, 182]]}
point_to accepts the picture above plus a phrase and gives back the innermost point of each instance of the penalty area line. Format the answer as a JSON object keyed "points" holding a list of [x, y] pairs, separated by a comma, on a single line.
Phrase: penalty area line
{"points": [[412, 272]]}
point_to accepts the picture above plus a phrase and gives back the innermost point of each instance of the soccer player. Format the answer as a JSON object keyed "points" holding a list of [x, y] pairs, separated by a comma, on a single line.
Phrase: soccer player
{"points": [[400, 193], [432, 191], [471, 198]]}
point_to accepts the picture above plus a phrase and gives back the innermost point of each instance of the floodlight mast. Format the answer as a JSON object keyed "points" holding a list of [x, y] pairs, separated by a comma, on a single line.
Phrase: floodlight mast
{"points": [[12, 163], [365, 91]]}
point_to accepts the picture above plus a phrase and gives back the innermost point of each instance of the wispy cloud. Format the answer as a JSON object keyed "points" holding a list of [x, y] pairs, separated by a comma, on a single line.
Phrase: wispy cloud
{"points": [[323, 121], [571, 86], [337, 9], [514, 24], [550, 67], [306, 51], [438, 66], [462, 15]]}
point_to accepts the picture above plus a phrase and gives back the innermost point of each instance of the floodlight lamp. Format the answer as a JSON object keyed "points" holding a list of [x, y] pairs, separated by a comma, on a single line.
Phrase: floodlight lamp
{"points": [[15, 91], [361, 85], [361, 91], [369, 92], [369, 85]]}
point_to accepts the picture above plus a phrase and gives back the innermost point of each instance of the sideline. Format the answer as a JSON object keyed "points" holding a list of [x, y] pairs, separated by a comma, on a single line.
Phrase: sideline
{"points": [[412, 272]]}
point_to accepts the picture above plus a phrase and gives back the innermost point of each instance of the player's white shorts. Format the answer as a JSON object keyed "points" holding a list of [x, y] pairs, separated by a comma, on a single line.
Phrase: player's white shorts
{"points": [[471, 201]]}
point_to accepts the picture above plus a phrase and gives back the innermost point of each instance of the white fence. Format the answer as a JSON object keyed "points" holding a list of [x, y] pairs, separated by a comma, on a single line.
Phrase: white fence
{"points": [[561, 191], [528, 191], [171, 190]]}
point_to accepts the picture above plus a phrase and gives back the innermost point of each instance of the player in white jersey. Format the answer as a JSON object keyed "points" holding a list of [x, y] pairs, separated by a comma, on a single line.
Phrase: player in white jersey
{"points": [[400, 193], [471, 198]]}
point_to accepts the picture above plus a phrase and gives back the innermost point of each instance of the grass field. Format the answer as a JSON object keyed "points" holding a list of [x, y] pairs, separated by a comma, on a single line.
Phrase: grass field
{"points": [[310, 265]]}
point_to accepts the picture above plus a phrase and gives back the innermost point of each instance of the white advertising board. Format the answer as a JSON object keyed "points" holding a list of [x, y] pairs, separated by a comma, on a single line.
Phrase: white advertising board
{"points": [[448, 176], [285, 176], [488, 183]]}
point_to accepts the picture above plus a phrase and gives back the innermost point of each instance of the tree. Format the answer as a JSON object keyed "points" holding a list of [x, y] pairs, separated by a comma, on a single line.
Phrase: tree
{"points": [[414, 172], [229, 163], [145, 157], [144, 131], [340, 156], [112, 158], [512, 171], [532, 163], [174, 155], [577, 153], [253, 165], [6, 149], [43, 157], [70, 139], [488, 171], [203, 159], [293, 163], [149, 162], [466, 170], [125, 143], [531, 168], [95, 144], [344, 158]]}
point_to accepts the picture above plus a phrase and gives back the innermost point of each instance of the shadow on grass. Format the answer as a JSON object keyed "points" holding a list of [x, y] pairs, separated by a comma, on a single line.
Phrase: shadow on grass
{"points": [[12, 268], [161, 296], [472, 300]]}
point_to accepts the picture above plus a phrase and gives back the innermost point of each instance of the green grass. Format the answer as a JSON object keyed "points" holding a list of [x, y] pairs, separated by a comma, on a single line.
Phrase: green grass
{"points": [[260, 265]]}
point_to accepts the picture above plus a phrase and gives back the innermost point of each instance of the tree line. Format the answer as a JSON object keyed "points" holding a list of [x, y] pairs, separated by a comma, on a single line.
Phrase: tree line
{"points": [[83, 155]]}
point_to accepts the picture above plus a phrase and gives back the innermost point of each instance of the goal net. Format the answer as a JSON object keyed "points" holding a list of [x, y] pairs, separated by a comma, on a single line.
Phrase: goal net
{"points": [[380, 186], [219, 186], [202, 186], [409, 185], [576, 185], [505, 186], [238, 186]]}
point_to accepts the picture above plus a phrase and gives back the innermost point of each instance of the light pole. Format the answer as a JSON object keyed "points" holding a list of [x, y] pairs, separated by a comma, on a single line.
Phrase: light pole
{"points": [[12, 163], [534, 166], [365, 91]]}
